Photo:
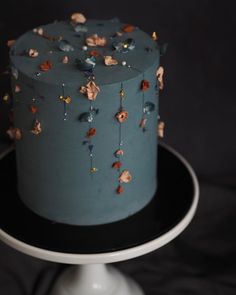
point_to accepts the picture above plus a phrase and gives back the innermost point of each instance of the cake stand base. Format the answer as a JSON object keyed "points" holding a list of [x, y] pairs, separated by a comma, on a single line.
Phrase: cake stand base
{"points": [[92, 247], [95, 279]]}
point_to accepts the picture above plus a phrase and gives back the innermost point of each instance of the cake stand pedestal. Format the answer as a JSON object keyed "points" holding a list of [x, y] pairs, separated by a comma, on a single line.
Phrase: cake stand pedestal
{"points": [[91, 248]]}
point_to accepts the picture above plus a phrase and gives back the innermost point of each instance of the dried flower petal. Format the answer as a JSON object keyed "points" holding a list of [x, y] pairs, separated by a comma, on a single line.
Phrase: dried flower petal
{"points": [[38, 31], [91, 90], [125, 177], [94, 53], [86, 65], [33, 53], [65, 46], [65, 59], [119, 189], [148, 107], [143, 122], [33, 109], [17, 89], [119, 152], [95, 40], [116, 165], [159, 75], [125, 46], [160, 131], [145, 85], [37, 129], [92, 132], [128, 28], [14, 133], [78, 18], [110, 61], [154, 36], [10, 43], [80, 28], [46, 66], [122, 116]]}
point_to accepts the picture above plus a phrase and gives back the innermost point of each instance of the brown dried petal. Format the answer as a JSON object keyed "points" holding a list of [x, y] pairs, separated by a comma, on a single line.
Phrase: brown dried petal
{"points": [[46, 66], [33, 52], [10, 42], [125, 176], [122, 116], [110, 61], [128, 28], [95, 40], [37, 129], [159, 75], [91, 90], [14, 133], [78, 18]]}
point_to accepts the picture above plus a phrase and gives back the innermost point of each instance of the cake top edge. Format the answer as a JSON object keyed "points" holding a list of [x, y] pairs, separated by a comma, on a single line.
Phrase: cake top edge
{"points": [[67, 51]]}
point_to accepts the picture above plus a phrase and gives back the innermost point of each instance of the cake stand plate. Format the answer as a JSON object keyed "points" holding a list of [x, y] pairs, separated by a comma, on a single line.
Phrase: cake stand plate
{"points": [[164, 218]]}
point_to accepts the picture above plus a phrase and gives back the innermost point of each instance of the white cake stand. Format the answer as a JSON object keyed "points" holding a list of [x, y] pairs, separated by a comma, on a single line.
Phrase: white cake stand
{"points": [[91, 275]]}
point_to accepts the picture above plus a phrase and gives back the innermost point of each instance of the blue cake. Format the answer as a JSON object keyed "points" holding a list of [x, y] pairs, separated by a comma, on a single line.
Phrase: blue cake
{"points": [[85, 96]]}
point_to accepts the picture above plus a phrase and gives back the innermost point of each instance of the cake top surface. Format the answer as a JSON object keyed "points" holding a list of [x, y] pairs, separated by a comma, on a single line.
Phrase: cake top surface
{"points": [[65, 52]]}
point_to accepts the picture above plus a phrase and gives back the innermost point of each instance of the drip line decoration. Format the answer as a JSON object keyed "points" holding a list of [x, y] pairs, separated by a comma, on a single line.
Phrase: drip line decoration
{"points": [[121, 116], [147, 106], [33, 108], [90, 90], [66, 99]]}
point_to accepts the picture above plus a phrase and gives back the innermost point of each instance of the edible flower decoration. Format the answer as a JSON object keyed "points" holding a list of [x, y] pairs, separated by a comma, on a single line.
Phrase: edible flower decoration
{"points": [[65, 59], [160, 131], [65, 46], [88, 116], [119, 189], [17, 89], [14, 133], [33, 109], [119, 153], [78, 18], [37, 129], [38, 31], [110, 61], [124, 46], [125, 177], [145, 85], [94, 53], [122, 116], [95, 40], [159, 75], [128, 28], [46, 66], [91, 90], [91, 132], [154, 36], [10, 43], [33, 52], [86, 65]]}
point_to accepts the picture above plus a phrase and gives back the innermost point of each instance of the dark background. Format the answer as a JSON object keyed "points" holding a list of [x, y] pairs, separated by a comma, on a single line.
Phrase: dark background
{"points": [[199, 108]]}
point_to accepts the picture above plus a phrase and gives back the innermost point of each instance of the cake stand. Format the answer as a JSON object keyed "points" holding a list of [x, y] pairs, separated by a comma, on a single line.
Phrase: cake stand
{"points": [[91, 248]]}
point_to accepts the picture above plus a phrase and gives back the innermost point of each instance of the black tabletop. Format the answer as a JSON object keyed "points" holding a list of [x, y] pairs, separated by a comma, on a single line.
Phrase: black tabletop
{"points": [[170, 204]]}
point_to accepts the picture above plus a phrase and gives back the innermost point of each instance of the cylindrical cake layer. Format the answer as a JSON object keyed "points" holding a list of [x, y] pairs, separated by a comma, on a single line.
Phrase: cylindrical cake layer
{"points": [[82, 159]]}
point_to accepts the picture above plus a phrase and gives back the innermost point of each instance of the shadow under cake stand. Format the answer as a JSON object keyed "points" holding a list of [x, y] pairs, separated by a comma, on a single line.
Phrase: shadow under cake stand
{"points": [[90, 248]]}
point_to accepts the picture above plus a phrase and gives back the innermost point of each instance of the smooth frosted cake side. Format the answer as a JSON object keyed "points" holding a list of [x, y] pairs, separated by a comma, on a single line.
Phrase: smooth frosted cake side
{"points": [[85, 120]]}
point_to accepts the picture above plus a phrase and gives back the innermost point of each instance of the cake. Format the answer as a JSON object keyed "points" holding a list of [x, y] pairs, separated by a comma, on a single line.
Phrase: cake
{"points": [[85, 97]]}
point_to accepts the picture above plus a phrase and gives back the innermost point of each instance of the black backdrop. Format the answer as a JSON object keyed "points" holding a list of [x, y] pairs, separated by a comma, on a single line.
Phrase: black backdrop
{"points": [[199, 108]]}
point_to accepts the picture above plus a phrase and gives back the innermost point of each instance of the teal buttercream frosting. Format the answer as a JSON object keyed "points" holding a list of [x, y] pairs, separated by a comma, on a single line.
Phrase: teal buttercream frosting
{"points": [[54, 166]]}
